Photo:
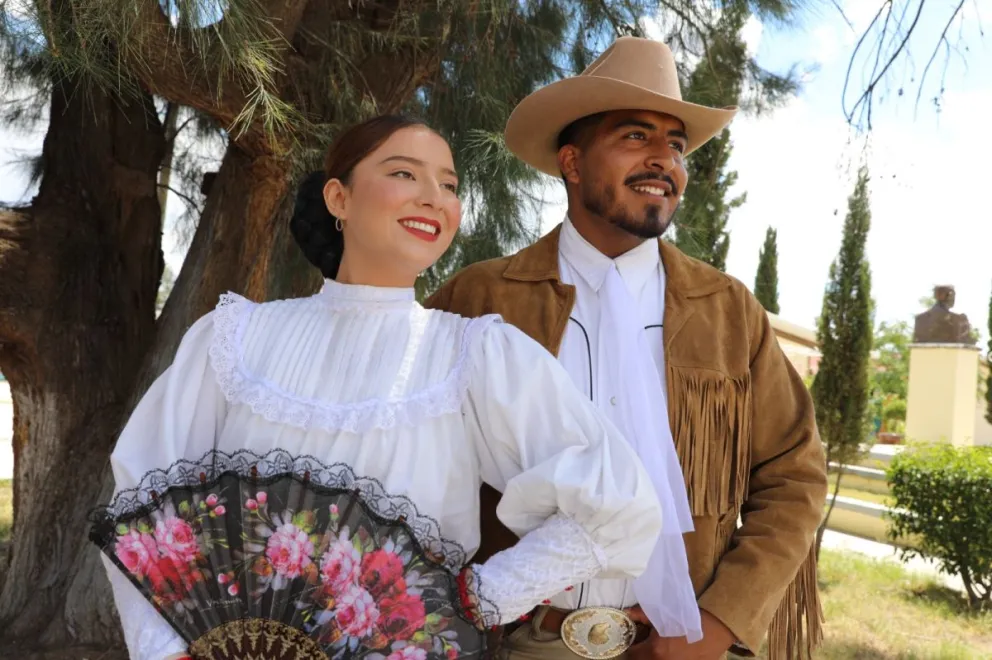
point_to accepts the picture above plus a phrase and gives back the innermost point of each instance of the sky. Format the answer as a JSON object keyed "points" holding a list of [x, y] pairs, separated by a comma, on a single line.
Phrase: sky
{"points": [[930, 221]]}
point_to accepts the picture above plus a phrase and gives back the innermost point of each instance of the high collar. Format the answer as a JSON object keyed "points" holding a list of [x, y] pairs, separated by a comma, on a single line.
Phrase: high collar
{"points": [[334, 291], [685, 277], [634, 266]]}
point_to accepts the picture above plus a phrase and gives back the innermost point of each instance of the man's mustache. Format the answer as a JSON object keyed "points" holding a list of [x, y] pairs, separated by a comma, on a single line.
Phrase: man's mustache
{"points": [[652, 176]]}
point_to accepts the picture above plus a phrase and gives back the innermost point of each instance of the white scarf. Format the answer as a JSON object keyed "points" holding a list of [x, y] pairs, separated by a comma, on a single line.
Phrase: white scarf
{"points": [[664, 591]]}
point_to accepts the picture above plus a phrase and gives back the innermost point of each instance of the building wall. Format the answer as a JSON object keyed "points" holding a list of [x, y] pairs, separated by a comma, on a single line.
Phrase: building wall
{"points": [[798, 344]]}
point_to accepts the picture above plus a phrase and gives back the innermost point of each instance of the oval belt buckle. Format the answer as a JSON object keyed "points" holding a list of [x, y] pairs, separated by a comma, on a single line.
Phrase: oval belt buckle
{"points": [[598, 633]]}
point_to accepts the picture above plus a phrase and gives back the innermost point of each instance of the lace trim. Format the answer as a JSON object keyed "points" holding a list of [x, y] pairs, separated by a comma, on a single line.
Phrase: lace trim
{"points": [[276, 405], [278, 463], [556, 555]]}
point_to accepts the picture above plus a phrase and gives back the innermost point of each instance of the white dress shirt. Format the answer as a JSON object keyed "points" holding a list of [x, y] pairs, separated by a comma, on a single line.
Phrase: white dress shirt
{"points": [[585, 267]]}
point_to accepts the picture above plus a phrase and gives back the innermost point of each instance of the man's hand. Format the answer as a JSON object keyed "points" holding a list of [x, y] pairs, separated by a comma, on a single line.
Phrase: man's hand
{"points": [[717, 640]]}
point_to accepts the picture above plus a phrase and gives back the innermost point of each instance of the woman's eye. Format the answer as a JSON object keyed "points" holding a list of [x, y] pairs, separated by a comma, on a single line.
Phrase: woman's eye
{"points": [[453, 187], [637, 135], [402, 173]]}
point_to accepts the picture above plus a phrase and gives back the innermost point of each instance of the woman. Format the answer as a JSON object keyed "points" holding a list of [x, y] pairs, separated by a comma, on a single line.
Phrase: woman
{"points": [[428, 403]]}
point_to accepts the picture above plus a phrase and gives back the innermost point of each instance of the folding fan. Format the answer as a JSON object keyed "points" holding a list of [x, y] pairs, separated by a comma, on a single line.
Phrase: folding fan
{"points": [[279, 557]]}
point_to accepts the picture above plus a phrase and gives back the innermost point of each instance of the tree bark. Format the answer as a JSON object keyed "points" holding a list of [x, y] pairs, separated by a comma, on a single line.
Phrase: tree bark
{"points": [[822, 529], [79, 271]]}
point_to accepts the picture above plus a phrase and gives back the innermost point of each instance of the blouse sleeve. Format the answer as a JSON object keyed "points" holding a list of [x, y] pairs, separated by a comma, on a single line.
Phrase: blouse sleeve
{"points": [[177, 418], [573, 488]]}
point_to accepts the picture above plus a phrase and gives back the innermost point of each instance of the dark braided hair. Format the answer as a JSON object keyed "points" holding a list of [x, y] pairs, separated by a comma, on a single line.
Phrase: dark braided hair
{"points": [[312, 225]]}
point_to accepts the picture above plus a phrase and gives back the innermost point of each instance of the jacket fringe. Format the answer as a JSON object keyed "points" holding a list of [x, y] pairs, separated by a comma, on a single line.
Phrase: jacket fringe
{"points": [[797, 628], [711, 424]]}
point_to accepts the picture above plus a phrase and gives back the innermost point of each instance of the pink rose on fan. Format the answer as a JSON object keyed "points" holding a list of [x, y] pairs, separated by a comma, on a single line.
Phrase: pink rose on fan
{"points": [[176, 540], [262, 497], [401, 616], [251, 504], [356, 612], [137, 551], [382, 574], [289, 550], [212, 500], [339, 567], [408, 653]]}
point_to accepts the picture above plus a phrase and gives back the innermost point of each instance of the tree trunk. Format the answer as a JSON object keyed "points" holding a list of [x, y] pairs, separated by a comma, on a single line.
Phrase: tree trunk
{"points": [[241, 244], [822, 529], [79, 271]]}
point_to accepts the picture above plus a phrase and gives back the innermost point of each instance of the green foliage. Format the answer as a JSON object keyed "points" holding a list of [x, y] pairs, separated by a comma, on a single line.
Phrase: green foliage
{"points": [[766, 279], [841, 388], [889, 380], [943, 495], [701, 222]]}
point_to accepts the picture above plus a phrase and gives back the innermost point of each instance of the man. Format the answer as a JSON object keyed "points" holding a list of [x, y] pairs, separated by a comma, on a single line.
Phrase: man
{"points": [[740, 417]]}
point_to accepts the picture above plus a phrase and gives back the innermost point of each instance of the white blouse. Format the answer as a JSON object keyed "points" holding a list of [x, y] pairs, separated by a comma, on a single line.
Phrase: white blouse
{"points": [[428, 403]]}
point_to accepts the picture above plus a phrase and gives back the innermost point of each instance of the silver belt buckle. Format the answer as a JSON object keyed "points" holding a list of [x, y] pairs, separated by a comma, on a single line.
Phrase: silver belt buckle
{"points": [[598, 633]]}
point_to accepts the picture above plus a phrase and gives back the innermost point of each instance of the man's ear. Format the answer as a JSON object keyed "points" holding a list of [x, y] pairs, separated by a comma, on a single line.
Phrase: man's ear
{"points": [[568, 163], [336, 198]]}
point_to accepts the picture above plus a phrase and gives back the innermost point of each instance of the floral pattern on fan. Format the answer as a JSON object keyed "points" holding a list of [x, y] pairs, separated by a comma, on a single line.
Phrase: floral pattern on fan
{"points": [[315, 558]]}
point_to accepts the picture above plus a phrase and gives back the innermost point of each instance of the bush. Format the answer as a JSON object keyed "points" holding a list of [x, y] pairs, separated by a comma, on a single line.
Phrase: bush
{"points": [[943, 496]]}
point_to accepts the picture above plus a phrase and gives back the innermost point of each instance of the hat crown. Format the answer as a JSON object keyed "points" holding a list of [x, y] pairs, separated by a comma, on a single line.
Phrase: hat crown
{"points": [[642, 62]]}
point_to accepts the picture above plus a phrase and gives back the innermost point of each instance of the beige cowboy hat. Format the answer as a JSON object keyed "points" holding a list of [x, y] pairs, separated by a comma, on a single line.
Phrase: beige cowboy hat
{"points": [[632, 74]]}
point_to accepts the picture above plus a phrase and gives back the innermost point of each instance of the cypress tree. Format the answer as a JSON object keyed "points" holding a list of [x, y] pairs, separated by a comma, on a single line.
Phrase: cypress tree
{"points": [[841, 388], [766, 279]]}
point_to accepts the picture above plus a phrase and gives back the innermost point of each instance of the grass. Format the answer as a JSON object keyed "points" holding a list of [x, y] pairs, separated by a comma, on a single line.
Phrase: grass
{"points": [[876, 610], [860, 483]]}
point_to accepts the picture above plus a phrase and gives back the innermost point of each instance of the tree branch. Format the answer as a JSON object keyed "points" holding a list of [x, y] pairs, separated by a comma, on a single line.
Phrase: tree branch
{"points": [[188, 67], [183, 196], [892, 44], [164, 60], [933, 56]]}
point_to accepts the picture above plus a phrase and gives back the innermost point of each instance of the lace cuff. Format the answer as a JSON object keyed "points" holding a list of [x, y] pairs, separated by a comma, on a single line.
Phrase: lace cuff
{"points": [[544, 562]]}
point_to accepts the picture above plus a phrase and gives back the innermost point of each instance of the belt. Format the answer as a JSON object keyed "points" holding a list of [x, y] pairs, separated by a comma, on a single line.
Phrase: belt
{"points": [[553, 620], [596, 633]]}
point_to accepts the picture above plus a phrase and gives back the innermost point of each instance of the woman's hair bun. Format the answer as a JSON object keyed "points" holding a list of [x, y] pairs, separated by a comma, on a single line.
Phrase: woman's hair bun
{"points": [[313, 226]]}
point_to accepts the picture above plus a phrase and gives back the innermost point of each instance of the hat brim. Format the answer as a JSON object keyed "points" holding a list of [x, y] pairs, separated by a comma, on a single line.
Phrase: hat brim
{"points": [[533, 127]]}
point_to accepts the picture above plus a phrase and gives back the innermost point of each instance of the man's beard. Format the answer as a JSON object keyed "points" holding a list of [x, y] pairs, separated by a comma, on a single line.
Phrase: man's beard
{"points": [[603, 202]]}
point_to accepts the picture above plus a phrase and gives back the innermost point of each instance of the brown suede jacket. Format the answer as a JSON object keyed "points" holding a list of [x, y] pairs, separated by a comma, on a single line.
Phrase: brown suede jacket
{"points": [[743, 425]]}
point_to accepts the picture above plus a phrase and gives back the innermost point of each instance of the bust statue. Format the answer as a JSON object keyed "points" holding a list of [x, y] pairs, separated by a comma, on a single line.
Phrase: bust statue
{"points": [[939, 325]]}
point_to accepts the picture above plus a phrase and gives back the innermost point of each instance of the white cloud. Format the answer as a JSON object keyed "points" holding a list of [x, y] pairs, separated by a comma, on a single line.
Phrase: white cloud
{"points": [[752, 33]]}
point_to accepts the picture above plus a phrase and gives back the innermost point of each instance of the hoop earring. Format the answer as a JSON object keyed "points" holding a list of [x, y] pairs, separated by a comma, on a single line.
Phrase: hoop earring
{"points": [[338, 224]]}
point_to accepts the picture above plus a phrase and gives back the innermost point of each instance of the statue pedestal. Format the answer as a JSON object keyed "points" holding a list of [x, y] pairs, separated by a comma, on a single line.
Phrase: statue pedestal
{"points": [[943, 391]]}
